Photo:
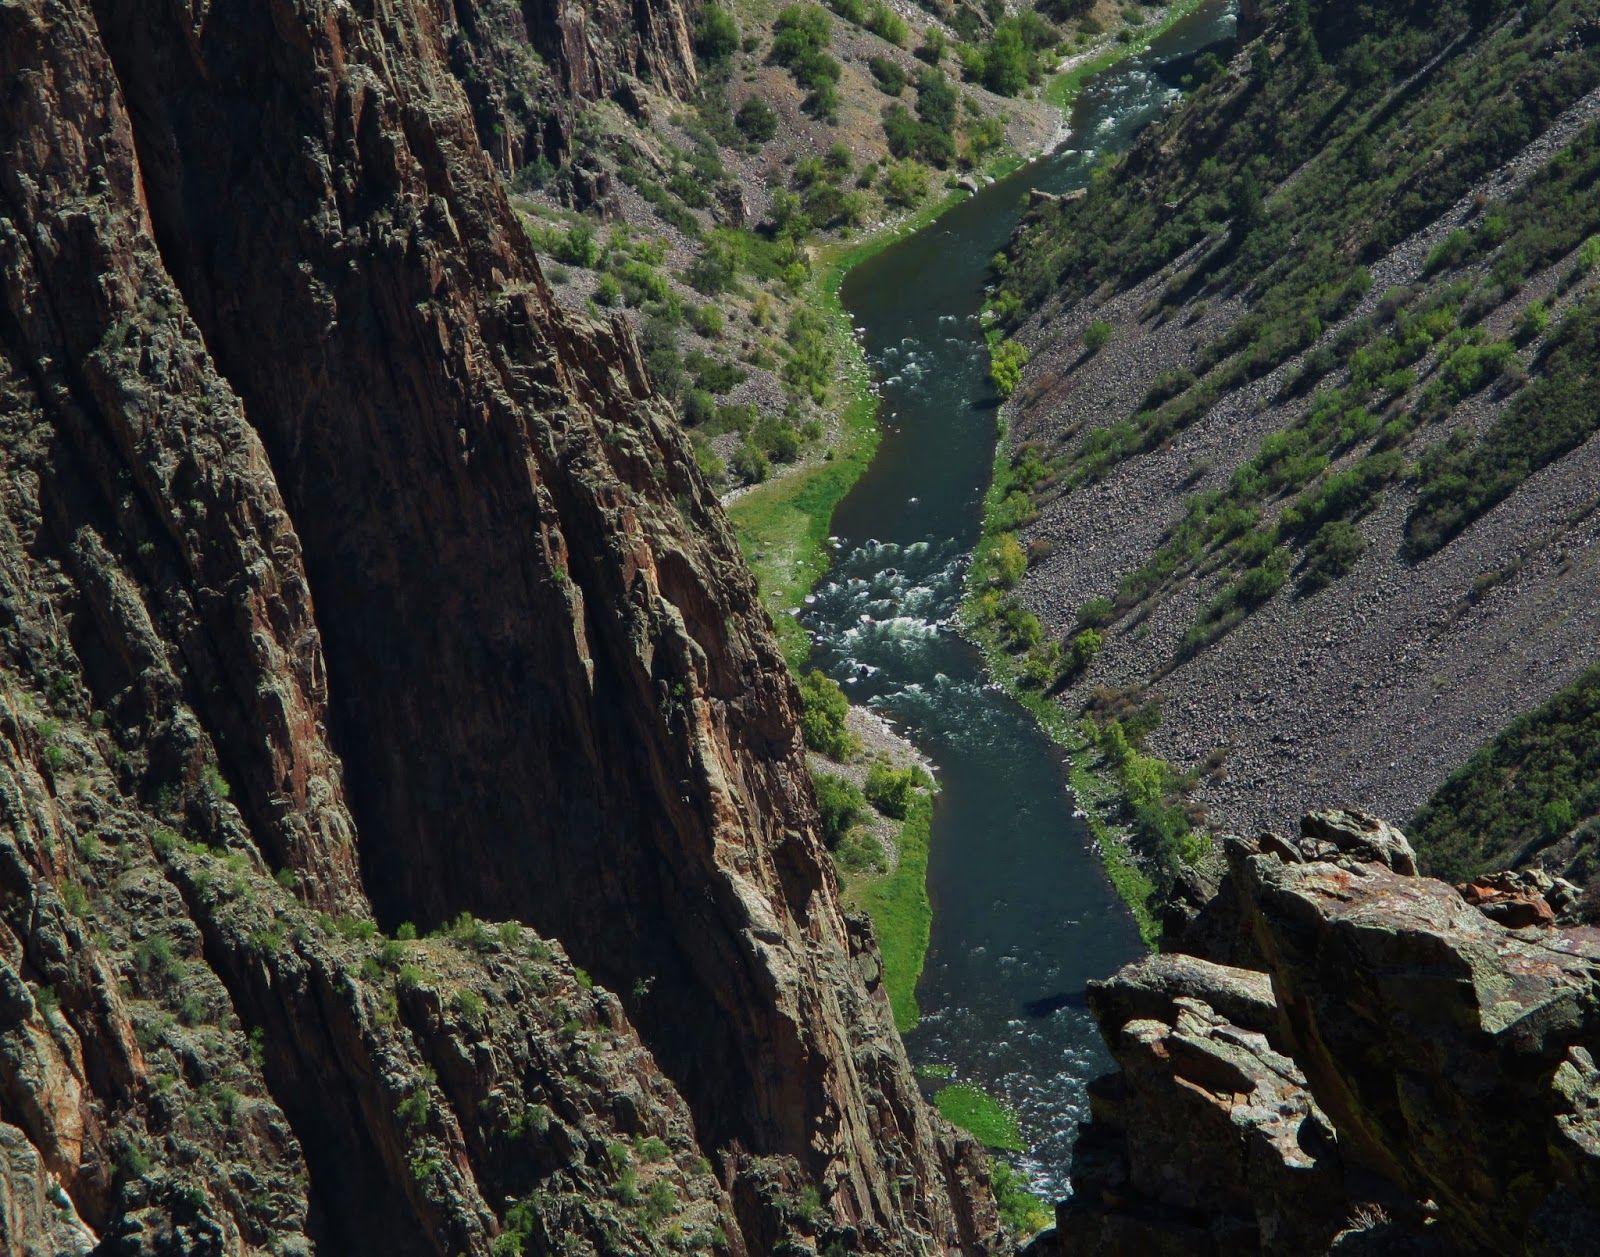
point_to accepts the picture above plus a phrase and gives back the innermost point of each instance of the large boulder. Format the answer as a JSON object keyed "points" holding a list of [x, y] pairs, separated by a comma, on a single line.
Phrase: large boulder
{"points": [[1388, 1067], [1448, 1051], [1208, 1140]]}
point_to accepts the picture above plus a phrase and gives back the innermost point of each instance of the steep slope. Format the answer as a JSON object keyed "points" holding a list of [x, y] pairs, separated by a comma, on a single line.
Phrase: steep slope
{"points": [[1306, 441], [1530, 796], [350, 584]]}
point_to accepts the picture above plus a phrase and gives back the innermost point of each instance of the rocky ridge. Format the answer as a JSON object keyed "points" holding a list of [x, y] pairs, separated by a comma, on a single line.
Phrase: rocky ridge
{"points": [[350, 591], [1371, 1063]]}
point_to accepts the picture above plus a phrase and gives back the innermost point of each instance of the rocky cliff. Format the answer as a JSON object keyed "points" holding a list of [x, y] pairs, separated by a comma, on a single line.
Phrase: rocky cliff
{"points": [[350, 591], [527, 68], [1372, 1062]]}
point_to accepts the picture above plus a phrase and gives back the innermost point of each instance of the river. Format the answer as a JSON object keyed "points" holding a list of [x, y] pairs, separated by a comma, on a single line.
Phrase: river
{"points": [[1023, 915]]}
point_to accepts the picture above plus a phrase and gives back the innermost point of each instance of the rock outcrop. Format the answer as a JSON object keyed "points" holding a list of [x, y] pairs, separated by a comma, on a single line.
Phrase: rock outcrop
{"points": [[529, 68], [1401, 1072], [348, 588]]}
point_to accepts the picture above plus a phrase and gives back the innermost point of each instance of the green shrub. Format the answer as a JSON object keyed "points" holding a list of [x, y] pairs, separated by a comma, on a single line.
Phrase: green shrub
{"points": [[716, 36], [757, 121], [823, 712], [1007, 560], [1535, 319], [905, 184], [891, 790], [1331, 554], [1097, 336], [1097, 612], [1086, 645], [1023, 1213], [886, 24], [839, 806], [708, 321], [890, 75], [1006, 360], [749, 464]]}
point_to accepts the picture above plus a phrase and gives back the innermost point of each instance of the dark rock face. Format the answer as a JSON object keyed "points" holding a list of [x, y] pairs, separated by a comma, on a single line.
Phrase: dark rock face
{"points": [[344, 582], [1402, 1072], [528, 66]]}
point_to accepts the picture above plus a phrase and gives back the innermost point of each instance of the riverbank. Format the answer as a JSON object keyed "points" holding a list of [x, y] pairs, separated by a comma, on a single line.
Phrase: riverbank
{"points": [[1098, 796]]}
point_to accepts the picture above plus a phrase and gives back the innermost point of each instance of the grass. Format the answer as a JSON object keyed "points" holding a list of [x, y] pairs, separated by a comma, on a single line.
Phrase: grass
{"points": [[1063, 89], [988, 1120], [1023, 1212], [898, 904]]}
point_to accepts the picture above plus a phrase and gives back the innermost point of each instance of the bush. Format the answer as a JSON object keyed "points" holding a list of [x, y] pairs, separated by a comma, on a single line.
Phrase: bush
{"points": [[886, 24], [905, 184], [1331, 554], [890, 75], [1081, 653], [891, 790], [1097, 336], [749, 464], [1007, 560], [937, 100], [823, 712], [1006, 361], [901, 131], [716, 36], [1535, 319], [839, 806], [707, 320], [1097, 613], [757, 121], [1006, 63]]}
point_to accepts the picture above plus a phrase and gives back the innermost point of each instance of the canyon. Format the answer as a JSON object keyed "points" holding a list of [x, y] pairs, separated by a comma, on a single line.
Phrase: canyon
{"points": [[412, 842]]}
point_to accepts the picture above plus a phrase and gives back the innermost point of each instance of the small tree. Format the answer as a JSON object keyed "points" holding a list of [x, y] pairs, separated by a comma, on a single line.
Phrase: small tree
{"points": [[839, 806], [1006, 361], [1097, 336], [716, 36], [824, 709], [757, 121]]}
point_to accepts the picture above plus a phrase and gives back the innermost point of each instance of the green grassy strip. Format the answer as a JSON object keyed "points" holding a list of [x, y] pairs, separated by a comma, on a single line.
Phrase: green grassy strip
{"points": [[1023, 1213], [987, 1119], [898, 904], [783, 526], [1095, 795], [1063, 89]]}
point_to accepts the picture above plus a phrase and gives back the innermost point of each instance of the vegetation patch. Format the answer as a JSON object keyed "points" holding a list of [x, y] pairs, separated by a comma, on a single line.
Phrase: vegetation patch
{"points": [[901, 915], [1537, 783], [1023, 1213], [987, 1119]]}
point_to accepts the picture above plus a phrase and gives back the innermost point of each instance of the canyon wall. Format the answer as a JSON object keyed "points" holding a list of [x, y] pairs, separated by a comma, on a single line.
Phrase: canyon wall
{"points": [[351, 592], [529, 68]]}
